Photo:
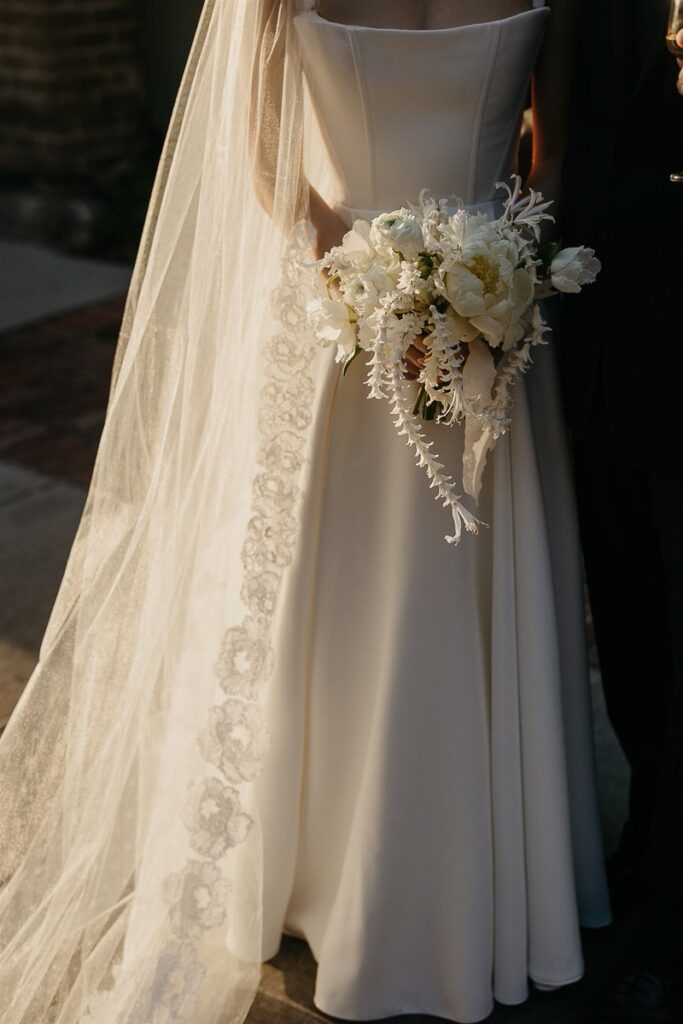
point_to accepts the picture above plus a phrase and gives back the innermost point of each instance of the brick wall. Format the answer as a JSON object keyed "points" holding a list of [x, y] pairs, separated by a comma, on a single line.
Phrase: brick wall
{"points": [[71, 88]]}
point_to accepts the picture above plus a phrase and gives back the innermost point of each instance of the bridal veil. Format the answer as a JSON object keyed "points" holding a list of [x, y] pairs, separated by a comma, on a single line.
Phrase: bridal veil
{"points": [[130, 856]]}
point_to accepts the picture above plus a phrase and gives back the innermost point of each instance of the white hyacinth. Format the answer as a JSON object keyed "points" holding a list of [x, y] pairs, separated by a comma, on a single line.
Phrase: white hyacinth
{"points": [[469, 288]]}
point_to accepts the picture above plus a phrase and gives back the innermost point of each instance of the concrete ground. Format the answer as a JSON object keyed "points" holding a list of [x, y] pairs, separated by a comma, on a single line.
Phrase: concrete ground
{"points": [[53, 386], [65, 282]]}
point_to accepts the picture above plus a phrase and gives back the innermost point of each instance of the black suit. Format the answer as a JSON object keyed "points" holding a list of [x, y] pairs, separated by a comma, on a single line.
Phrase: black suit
{"points": [[622, 367]]}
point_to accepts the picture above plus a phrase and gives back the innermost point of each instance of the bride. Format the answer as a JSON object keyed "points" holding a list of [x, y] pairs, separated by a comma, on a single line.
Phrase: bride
{"points": [[270, 697]]}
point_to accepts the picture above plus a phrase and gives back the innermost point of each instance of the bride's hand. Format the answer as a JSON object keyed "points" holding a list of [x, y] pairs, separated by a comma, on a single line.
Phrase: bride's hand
{"points": [[415, 359], [329, 227]]}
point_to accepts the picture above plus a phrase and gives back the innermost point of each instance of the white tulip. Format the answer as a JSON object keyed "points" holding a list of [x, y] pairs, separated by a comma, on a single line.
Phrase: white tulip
{"points": [[572, 268], [332, 325]]}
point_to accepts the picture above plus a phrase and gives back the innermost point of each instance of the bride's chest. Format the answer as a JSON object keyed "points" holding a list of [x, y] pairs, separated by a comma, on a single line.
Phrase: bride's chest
{"points": [[399, 77], [404, 109]]}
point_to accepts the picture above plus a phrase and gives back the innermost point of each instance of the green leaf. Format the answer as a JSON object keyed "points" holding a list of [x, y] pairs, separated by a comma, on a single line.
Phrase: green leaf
{"points": [[430, 410], [418, 401], [546, 254], [349, 361]]}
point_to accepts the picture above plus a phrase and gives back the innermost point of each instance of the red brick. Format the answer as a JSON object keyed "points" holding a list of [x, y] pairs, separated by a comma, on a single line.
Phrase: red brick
{"points": [[71, 85]]}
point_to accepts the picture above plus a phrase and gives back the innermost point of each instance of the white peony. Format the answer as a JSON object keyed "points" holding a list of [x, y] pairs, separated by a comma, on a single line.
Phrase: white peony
{"points": [[573, 268], [465, 291], [493, 295], [332, 325], [400, 231]]}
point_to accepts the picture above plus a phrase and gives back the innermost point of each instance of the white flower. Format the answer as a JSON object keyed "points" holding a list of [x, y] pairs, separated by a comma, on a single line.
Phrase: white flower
{"points": [[465, 291], [469, 284], [356, 243], [400, 231], [367, 332], [410, 279], [490, 291], [361, 293], [573, 268], [331, 323]]}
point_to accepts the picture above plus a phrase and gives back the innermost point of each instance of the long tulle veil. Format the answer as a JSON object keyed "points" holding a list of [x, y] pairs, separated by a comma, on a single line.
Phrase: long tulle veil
{"points": [[130, 854]]}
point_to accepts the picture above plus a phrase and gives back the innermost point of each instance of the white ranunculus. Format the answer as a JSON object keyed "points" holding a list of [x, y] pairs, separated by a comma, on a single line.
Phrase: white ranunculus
{"points": [[361, 293], [572, 268], [332, 326], [400, 231]]}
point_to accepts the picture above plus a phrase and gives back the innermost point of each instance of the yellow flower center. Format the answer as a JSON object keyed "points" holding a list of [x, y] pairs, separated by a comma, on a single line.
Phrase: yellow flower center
{"points": [[487, 272]]}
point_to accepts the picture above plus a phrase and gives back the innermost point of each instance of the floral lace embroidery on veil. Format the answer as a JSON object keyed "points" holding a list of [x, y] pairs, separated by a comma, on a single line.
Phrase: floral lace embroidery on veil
{"points": [[235, 739]]}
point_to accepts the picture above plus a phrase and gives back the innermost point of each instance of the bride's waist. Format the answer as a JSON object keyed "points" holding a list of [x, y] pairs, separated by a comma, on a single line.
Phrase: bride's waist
{"points": [[350, 213]]}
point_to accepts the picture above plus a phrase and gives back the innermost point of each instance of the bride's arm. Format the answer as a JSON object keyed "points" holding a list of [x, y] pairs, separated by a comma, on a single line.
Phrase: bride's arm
{"points": [[265, 127], [551, 92]]}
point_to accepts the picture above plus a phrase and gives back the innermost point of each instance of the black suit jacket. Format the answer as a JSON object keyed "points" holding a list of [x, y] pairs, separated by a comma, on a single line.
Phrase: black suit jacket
{"points": [[622, 338]]}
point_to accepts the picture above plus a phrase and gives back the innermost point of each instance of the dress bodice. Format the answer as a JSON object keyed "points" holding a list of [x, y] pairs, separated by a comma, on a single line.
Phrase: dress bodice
{"points": [[401, 110]]}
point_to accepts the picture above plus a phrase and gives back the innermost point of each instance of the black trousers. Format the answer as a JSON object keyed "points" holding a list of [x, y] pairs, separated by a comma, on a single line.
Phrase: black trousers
{"points": [[631, 533]]}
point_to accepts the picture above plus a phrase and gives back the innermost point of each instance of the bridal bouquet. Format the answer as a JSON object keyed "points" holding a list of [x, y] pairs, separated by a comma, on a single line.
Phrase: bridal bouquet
{"points": [[466, 287]]}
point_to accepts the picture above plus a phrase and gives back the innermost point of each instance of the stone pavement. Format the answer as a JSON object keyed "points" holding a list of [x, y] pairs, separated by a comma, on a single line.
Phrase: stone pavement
{"points": [[54, 378]]}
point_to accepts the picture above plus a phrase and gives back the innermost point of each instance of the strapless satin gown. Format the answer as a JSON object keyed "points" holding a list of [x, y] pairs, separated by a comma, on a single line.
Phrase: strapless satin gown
{"points": [[428, 806]]}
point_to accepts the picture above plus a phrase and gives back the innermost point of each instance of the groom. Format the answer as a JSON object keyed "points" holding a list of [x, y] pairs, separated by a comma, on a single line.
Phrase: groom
{"points": [[622, 356], [622, 363]]}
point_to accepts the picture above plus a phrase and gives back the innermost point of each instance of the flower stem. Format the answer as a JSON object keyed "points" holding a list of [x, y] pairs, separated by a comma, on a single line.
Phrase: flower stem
{"points": [[418, 401]]}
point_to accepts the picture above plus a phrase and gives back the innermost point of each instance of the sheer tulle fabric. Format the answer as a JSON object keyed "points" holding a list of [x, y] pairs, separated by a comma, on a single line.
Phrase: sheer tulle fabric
{"points": [[130, 857]]}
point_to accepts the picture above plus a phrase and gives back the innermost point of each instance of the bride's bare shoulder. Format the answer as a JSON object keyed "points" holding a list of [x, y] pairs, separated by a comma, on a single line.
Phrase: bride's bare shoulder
{"points": [[417, 14]]}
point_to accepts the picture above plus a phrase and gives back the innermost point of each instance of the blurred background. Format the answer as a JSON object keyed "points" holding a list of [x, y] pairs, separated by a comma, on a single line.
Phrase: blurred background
{"points": [[86, 91]]}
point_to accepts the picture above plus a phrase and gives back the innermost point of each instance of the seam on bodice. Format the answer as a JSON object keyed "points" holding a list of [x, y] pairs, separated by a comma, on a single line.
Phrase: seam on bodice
{"points": [[470, 159], [367, 114], [481, 102]]}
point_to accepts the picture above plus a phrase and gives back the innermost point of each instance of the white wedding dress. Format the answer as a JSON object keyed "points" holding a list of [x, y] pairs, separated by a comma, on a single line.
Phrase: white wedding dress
{"points": [[428, 805]]}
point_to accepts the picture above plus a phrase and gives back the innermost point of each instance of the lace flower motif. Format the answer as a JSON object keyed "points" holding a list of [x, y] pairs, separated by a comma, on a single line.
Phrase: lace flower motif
{"points": [[172, 995], [215, 819], [236, 739], [244, 659], [198, 897]]}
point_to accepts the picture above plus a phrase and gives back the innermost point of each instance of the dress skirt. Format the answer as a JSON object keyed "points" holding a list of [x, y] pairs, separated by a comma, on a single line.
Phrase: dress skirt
{"points": [[428, 804]]}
